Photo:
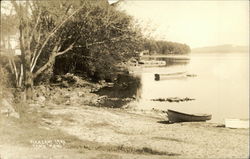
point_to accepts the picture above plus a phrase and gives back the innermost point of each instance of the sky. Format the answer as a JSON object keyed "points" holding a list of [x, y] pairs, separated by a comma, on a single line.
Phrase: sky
{"points": [[197, 23]]}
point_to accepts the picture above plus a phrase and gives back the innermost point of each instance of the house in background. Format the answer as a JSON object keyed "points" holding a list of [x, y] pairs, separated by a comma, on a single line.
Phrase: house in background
{"points": [[144, 52], [10, 45]]}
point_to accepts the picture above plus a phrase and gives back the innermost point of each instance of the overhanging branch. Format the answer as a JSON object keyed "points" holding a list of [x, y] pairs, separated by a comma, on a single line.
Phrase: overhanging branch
{"points": [[51, 35], [66, 50]]}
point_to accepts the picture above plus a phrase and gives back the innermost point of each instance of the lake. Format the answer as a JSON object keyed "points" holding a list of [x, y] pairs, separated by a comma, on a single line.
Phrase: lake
{"points": [[220, 87]]}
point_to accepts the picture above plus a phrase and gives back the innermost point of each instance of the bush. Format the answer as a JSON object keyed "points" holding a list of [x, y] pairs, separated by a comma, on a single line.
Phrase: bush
{"points": [[102, 45], [7, 83], [5, 78]]}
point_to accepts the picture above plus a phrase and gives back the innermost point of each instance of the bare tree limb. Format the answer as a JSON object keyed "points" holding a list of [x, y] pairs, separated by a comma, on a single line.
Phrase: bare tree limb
{"points": [[67, 10], [11, 66], [51, 35], [21, 76], [66, 50], [15, 70], [36, 47], [36, 24], [48, 64]]}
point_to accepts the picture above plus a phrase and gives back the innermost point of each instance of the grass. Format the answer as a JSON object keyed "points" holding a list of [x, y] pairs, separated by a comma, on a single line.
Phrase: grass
{"points": [[28, 128], [124, 149], [143, 150], [168, 139]]}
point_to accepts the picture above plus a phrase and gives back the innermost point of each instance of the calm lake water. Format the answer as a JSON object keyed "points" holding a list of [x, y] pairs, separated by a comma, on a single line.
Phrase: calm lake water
{"points": [[221, 87]]}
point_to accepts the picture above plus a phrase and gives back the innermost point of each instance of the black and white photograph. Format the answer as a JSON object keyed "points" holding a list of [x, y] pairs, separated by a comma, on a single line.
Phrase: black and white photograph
{"points": [[124, 79]]}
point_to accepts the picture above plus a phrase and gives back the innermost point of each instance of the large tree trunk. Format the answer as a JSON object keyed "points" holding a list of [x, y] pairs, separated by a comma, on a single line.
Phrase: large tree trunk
{"points": [[29, 85]]}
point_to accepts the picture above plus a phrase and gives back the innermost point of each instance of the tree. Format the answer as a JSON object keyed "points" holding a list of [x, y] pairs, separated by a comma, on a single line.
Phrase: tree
{"points": [[48, 29], [40, 27], [165, 47], [107, 39]]}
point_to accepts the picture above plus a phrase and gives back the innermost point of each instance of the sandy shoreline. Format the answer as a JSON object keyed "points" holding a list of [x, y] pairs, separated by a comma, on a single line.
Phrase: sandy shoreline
{"points": [[99, 132], [137, 134], [120, 127]]}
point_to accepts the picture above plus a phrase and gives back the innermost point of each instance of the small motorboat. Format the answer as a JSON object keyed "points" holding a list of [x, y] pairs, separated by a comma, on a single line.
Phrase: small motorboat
{"points": [[237, 123], [174, 116]]}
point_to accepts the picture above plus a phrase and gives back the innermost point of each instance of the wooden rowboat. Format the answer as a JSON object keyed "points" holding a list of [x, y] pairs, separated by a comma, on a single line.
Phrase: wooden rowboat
{"points": [[174, 116], [174, 75]]}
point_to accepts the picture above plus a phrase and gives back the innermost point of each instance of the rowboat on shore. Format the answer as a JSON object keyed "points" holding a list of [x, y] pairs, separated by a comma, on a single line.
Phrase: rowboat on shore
{"points": [[237, 123], [174, 116]]}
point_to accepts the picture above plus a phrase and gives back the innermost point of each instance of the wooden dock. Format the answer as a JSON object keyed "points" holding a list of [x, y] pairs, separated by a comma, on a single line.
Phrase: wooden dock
{"points": [[180, 57]]}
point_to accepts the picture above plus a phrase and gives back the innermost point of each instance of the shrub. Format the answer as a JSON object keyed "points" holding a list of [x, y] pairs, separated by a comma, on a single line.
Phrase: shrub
{"points": [[5, 78]]}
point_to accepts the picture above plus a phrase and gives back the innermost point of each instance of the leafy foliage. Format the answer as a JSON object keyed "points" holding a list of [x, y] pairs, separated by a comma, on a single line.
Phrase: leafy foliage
{"points": [[8, 25], [94, 32], [165, 47], [107, 38], [5, 78]]}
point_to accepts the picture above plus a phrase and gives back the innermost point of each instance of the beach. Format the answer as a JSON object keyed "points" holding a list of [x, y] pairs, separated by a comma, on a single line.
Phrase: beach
{"points": [[97, 132]]}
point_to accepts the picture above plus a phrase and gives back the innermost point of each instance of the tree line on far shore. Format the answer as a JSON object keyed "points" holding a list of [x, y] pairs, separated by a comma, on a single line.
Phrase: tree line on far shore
{"points": [[165, 47]]}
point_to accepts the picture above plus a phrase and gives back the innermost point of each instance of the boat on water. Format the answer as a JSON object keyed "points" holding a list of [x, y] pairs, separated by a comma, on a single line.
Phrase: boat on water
{"points": [[237, 123], [175, 116], [175, 75], [151, 63]]}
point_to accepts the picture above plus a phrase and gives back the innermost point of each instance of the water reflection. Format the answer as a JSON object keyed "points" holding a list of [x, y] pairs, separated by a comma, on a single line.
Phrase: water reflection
{"points": [[170, 61], [217, 82], [219, 87], [125, 89]]}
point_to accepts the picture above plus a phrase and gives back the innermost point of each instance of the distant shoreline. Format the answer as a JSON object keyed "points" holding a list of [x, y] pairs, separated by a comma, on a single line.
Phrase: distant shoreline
{"points": [[221, 49], [217, 52]]}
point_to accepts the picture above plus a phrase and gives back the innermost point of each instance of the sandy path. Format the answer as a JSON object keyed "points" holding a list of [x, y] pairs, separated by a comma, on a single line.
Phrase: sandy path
{"points": [[121, 128]]}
